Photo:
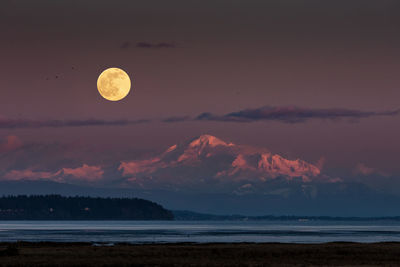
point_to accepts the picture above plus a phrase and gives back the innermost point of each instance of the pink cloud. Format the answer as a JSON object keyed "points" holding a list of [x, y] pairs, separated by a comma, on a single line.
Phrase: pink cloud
{"points": [[85, 172], [138, 166], [16, 175], [11, 142]]}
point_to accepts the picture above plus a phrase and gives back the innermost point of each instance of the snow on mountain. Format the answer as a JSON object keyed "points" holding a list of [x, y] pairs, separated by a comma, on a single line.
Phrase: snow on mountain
{"points": [[208, 158]]}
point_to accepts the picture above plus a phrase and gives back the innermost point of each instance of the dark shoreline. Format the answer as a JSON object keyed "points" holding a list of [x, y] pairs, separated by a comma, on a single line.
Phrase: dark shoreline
{"points": [[191, 254]]}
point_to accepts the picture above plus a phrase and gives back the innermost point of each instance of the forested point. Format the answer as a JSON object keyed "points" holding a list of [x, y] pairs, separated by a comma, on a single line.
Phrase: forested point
{"points": [[56, 207]]}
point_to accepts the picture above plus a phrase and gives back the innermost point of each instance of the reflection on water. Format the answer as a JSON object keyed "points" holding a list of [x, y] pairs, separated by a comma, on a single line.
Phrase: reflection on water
{"points": [[202, 231]]}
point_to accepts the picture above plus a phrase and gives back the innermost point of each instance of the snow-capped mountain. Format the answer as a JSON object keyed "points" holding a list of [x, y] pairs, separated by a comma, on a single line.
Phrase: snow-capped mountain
{"points": [[204, 174], [210, 160]]}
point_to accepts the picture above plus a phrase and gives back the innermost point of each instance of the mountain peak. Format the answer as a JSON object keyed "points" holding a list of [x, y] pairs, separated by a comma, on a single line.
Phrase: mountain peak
{"points": [[208, 140], [207, 157]]}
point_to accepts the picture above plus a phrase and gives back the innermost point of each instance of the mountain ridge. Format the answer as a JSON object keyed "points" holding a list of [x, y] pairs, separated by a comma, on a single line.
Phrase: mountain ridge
{"points": [[219, 161]]}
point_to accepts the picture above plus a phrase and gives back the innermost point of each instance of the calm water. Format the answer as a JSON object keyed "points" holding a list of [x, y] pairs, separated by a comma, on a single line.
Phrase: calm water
{"points": [[202, 231]]}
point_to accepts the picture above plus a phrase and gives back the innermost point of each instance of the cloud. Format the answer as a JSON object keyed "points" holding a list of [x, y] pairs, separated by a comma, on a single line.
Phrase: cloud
{"points": [[283, 114], [125, 45], [293, 114], [155, 45], [362, 169], [10, 143], [139, 166], [16, 175], [25, 123], [177, 119], [84, 173]]}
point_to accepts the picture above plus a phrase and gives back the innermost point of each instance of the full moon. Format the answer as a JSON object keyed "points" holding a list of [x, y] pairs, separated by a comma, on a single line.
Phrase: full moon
{"points": [[113, 84]]}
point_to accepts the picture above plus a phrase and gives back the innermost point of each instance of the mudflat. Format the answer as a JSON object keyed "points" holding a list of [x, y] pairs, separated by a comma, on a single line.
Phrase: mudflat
{"points": [[232, 254]]}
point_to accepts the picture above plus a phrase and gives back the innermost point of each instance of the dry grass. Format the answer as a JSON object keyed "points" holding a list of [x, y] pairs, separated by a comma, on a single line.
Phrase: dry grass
{"points": [[81, 254]]}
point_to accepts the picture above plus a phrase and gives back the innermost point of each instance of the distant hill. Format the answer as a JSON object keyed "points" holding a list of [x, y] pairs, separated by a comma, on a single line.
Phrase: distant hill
{"points": [[276, 197], [56, 207], [185, 215]]}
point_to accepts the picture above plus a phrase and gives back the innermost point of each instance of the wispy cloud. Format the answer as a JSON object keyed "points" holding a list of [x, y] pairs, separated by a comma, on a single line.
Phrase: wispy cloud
{"points": [[155, 45], [147, 45], [293, 114], [281, 114], [83, 173], [16, 175], [362, 169], [177, 119], [25, 123]]}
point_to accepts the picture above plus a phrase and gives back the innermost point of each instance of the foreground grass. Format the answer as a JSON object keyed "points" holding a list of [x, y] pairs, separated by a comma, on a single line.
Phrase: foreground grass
{"points": [[84, 254]]}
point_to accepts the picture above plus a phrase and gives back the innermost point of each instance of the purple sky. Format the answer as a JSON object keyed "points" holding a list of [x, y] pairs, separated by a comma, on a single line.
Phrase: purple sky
{"points": [[190, 57]]}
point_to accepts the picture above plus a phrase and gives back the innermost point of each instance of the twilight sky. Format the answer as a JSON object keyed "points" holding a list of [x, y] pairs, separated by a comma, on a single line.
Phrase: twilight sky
{"points": [[306, 79]]}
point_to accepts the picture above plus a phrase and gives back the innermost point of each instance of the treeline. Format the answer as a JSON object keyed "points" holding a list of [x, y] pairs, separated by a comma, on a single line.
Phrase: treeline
{"points": [[56, 207], [184, 215]]}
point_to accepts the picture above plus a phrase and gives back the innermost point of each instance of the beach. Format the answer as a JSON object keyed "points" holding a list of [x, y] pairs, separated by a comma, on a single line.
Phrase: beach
{"points": [[188, 254], [199, 243]]}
